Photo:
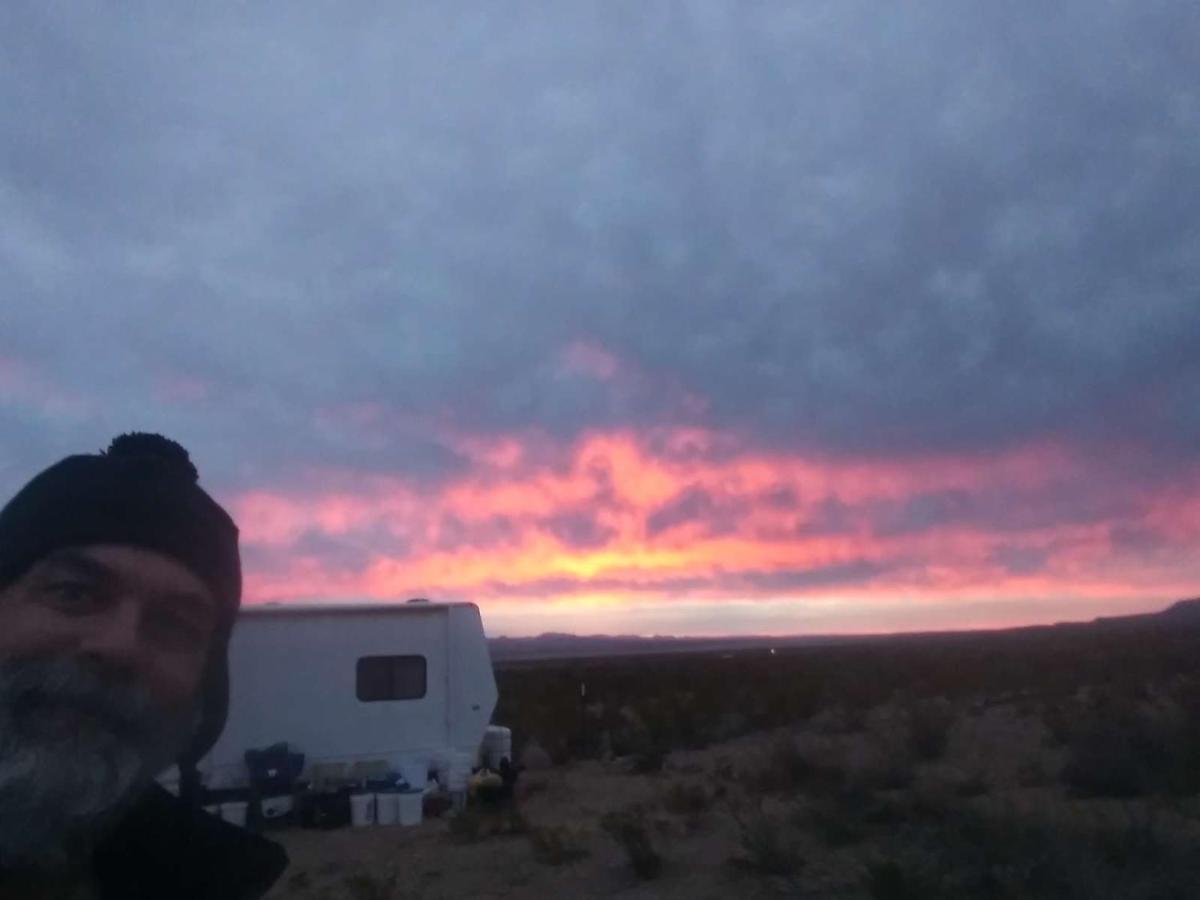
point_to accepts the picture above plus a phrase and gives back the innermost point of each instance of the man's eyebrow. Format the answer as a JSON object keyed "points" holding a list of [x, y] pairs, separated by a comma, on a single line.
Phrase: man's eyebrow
{"points": [[80, 563]]}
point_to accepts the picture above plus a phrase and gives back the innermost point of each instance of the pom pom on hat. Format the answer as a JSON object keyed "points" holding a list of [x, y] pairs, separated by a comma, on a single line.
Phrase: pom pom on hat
{"points": [[142, 444]]}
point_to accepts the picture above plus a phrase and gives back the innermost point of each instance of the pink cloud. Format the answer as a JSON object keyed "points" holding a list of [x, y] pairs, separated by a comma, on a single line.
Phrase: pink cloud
{"points": [[588, 358], [516, 529]]}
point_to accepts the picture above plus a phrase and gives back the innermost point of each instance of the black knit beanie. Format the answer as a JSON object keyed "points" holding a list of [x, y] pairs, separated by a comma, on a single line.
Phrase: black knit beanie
{"points": [[142, 491]]}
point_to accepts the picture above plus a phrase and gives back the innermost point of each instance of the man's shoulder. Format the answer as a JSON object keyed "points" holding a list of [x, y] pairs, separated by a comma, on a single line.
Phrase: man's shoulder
{"points": [[164, 848]]}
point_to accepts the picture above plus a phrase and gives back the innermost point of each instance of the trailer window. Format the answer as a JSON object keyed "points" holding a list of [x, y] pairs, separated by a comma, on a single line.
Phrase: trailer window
{"points": [[390, 678]]}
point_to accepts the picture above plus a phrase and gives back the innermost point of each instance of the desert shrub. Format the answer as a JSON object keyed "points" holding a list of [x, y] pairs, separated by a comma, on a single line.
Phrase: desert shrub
{"points": [[972, 785], [767, 846], [686, 723], [1034, 773], [556, 845], [888, 812], [749, 690], [631, 830], [833, 823], [1003, 856], [650, 758], [476, 823], [723, 769], [1060, 720], [894, 773], [1108, 761], [785, 767], [929, 726], [889, 880], [1137, 842], [1118, 746], [1183, 773], [687, 799], [373, 886]]}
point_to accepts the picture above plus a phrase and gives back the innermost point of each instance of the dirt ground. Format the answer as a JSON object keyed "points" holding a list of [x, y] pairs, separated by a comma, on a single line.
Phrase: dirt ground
{"points": [[998, 761]]}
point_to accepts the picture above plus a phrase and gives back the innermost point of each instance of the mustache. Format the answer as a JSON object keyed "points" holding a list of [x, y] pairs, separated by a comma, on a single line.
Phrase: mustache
{"points": [[35, 684]]}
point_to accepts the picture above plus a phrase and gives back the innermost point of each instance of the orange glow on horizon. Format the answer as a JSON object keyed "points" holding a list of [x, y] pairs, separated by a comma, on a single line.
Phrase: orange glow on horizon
{"points": [[657, 518]]}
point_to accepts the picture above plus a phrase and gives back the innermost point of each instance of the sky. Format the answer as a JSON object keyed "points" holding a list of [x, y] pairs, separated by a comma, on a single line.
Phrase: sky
{"points": [[628, 317]]}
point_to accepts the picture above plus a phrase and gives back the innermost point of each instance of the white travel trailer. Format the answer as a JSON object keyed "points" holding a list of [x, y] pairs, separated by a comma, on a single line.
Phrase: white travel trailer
{"points": [[355, 683]]}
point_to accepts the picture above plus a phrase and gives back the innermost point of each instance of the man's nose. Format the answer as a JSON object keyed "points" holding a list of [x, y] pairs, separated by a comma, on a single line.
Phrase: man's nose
{"points": [[114, 638]]}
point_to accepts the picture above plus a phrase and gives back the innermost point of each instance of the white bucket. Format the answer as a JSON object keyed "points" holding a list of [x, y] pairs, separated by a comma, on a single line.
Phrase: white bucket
{"points": [[362, 810], [497, 744], [408, 807], [387, 809], [414, 771], [234, 812]]}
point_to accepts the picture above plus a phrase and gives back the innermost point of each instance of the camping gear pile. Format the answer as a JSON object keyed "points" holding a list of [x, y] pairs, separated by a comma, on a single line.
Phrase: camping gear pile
{"points": [[381, 792]]}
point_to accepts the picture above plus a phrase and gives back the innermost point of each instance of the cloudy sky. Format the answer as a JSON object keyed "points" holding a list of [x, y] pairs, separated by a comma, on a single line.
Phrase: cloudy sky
{"points": [[628, 316]]}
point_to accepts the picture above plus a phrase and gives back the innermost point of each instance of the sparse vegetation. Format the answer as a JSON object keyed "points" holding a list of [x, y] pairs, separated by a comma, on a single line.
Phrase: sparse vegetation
{"points": [[650, 757], [972, 785], [630, 828], [889, 880], [766, 846], [833, 824], [556, 845], [689, 799], [784, 768], [1000, 767], [889, 774], [477, 823], [929, 723], [373, 885]]}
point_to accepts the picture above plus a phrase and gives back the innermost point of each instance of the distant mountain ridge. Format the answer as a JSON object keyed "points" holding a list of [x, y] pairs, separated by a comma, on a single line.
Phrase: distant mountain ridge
{"points": [[1188, 610], [562, 645], [556, 645]]}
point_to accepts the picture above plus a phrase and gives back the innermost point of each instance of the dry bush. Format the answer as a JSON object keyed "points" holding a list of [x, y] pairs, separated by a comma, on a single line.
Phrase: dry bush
{"points": [[929, 724], [1120, 744], [650, 758], [373, 886], [785, 767], [630, 828], [893, 773], [688, 799], [834, 824], [890, 880], [556, 845], [767, 847], [972, 785], [968, 853], [475, 824]]}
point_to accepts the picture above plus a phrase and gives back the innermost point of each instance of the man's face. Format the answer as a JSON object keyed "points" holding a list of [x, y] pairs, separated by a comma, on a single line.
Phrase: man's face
{"points": [[137, 613], [102, 658]]}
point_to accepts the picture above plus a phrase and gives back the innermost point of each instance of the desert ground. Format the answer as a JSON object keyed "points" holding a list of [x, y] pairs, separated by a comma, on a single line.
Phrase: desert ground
{"points": [[1023, 784]]}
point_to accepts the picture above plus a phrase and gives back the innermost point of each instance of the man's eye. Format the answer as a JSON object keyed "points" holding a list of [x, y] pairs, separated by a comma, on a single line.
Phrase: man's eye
{"points": [[175, 630], [74, 595]]}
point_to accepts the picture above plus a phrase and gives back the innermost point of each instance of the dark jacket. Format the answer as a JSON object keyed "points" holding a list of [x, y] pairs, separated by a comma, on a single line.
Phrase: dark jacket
{"points": [[166, 849]]}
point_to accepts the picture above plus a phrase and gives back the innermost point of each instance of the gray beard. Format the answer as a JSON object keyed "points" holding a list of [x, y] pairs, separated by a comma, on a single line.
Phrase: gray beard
{"points": [[77, 745]]}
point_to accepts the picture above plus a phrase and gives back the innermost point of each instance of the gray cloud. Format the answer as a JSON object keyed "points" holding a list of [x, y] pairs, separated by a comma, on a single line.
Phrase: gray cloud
{"points": [[1017, 560], [827, 227], [578, 529], [692, 505]]}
